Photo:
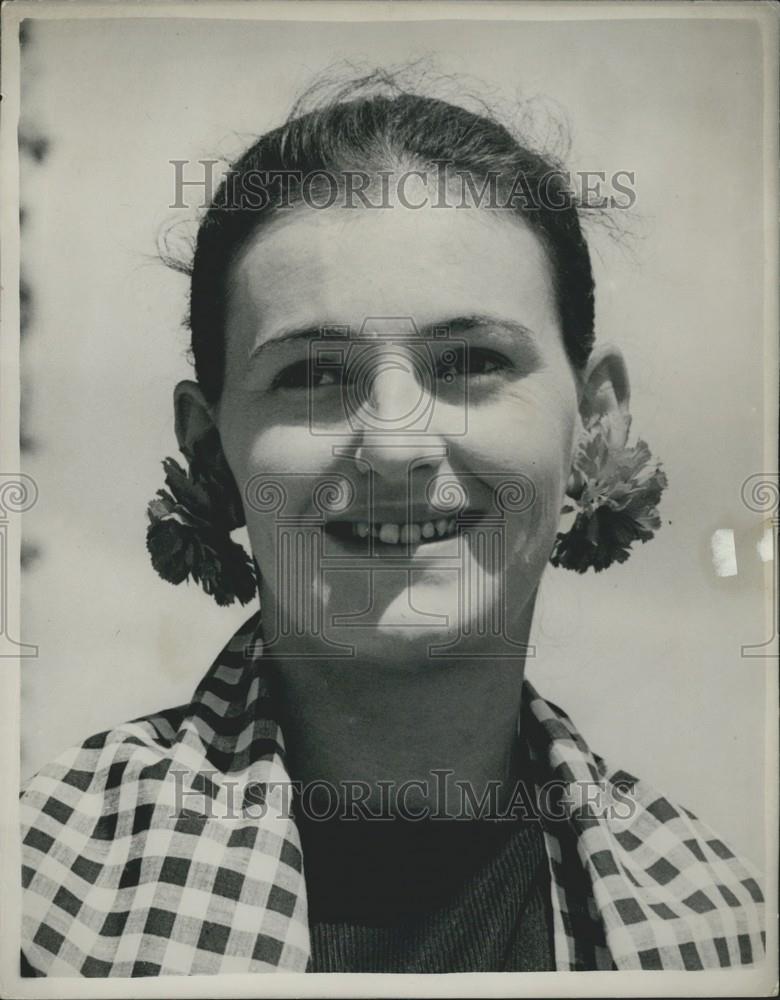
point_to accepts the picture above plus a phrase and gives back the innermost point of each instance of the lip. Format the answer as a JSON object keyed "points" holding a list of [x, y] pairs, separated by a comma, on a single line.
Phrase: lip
{"points": [[383, 513], [343, 533]]}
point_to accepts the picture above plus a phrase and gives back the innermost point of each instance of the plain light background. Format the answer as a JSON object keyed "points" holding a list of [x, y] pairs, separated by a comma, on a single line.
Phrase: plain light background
{"points": [[645, 657]]}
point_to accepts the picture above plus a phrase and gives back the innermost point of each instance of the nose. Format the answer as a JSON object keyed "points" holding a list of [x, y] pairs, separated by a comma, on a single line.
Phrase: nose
{"points": [[395, 460], [390, 388], [393, 413]]}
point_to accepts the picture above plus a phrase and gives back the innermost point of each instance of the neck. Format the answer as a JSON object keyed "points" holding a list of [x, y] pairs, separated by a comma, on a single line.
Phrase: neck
{"points": [[367, 737]]}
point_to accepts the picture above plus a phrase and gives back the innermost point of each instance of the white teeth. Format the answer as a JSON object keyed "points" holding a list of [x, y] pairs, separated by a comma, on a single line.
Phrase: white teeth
{"points": [[389, 534], [392, 534], [411, 533]]}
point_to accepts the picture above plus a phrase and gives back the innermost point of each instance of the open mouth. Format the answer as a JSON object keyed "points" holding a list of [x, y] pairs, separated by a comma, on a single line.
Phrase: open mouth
{"points": [[387, 533]]}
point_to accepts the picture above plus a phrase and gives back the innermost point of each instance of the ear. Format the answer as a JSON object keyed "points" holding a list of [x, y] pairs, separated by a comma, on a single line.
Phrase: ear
{"points": [[193, 415], [605, 393]]}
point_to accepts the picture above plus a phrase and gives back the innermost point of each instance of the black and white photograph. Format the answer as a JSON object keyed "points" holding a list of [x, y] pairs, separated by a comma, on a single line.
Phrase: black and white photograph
{"points": [[389, 499]]}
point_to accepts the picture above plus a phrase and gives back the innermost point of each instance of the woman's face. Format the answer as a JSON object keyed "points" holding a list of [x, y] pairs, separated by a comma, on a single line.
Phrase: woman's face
{"points": [[412, 358]]}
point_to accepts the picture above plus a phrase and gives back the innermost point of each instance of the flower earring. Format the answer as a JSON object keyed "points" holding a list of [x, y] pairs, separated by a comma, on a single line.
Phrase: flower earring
{"points": [[616, 491], [190, 525]]}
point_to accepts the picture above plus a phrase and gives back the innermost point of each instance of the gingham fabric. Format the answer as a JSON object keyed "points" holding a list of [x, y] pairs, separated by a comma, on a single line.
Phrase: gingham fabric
{"points": [[163, 847]]}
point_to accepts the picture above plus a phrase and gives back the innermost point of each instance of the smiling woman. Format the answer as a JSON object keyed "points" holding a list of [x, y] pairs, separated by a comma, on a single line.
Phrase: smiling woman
{"points": [[399, 403], [355, 418]]}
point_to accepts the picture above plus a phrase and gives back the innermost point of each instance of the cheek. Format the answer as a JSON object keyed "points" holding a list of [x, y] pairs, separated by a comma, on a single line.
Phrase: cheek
{"points": [[527, 432], [276, 466], [257, 441], [528, 428]]}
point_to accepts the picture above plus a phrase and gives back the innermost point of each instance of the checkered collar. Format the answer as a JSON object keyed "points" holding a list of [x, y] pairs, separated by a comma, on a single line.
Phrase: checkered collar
{"points": [[162, 847]]}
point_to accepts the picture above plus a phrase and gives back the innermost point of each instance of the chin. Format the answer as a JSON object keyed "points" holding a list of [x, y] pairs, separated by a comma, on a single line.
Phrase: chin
{"points": [[431, 621], [401, 646]]}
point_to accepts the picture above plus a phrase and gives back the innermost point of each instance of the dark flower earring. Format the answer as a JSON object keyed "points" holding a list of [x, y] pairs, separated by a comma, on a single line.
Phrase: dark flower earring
{"points": [[190, 525], [616, 491]]}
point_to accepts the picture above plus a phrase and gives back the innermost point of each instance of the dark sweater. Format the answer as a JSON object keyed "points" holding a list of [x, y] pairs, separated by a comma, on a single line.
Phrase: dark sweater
{"points": [[431, 896]]}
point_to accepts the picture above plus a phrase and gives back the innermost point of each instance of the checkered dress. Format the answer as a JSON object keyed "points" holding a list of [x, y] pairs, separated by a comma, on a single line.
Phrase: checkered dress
{"points": [[143, 853]]}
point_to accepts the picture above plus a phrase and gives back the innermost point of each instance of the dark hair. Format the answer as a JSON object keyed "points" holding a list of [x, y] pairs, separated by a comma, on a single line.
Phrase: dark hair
{"points": [[359, 131]]}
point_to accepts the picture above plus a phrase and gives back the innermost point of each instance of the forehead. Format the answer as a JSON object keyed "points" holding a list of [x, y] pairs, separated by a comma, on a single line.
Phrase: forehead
{"points": [[341, 265]]}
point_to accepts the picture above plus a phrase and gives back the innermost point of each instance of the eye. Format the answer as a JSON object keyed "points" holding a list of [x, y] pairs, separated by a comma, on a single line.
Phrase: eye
{"points": [[301, 375], [473, 362]]}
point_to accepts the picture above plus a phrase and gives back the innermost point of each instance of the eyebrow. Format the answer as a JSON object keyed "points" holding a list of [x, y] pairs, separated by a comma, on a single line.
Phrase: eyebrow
{"points": [[459, 325]]}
